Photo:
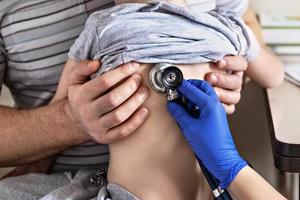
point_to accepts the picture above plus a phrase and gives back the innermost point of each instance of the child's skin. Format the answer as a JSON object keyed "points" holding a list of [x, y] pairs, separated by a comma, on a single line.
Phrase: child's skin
{"points": [[155, 162]]}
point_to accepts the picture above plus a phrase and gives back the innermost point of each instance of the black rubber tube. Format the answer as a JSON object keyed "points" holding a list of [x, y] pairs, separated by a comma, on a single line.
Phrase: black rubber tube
{"points": [[213, 182]]}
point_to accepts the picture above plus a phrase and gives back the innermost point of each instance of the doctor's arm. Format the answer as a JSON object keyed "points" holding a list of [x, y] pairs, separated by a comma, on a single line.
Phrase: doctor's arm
{"points": [[211, 141], [249, 185]]}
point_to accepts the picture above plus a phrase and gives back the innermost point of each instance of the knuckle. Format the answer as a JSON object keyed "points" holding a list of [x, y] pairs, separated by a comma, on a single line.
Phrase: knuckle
{"points": [[104, 82], [73, 98], [80, 92], [125, 69], [113, 100], [118, 117], [134, 82], [124, 131]]}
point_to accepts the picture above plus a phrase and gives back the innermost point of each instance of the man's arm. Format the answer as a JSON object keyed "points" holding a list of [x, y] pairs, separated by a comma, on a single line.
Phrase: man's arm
{"points": [[29, 135]]}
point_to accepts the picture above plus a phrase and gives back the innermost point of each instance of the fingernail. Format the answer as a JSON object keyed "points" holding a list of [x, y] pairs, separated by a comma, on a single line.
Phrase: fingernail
{"points": [[144, 93], [93, 64], [223, 63], [144, 112], [213, 79]]}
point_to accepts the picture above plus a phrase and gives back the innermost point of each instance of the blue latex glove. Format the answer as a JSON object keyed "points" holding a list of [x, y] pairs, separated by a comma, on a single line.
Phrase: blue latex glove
{"points": [[209, 134]]}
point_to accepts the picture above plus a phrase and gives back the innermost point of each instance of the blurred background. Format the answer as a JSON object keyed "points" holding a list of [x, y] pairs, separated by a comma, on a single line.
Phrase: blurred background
{"points": [[289, 7]]}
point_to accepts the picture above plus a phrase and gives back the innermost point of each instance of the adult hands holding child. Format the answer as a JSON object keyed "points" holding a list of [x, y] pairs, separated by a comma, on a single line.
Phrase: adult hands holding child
{"points": [[107, 108], [228, 86]]}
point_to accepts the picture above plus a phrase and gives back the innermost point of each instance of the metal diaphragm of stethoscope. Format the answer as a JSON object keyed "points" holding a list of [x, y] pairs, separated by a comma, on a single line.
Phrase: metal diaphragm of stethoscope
{"points": [[165, 78]]}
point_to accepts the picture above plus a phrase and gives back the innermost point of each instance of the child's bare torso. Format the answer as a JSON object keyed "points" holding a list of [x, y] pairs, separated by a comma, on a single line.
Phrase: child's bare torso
{"points": [[155, 162]]}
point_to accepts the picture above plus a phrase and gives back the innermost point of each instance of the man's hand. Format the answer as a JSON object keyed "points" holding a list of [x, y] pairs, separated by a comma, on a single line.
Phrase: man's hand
{"points": [[228, 86], [106, 117], [108, 108]]}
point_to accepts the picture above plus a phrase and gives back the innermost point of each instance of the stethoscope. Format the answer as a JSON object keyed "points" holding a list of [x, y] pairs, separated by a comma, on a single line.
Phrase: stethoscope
{"points": [[165, 78]]}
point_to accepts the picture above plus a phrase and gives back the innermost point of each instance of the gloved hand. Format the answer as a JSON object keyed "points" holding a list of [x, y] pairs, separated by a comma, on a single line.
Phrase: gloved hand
{"points": [[208, 134]]}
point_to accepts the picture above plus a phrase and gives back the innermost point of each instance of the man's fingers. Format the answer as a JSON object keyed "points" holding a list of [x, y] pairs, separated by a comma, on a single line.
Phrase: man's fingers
{"points": [[232, 63], [83, 71], [117, 96], [106, 81], [126, 128], [226, 81], [241, 75], [229, 108], [124, 111], [220, 64], [228, 96], [236, 63]]}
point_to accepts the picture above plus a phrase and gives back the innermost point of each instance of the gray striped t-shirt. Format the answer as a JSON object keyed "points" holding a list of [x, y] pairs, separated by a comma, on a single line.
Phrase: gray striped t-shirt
{"points": [[35, 37]]}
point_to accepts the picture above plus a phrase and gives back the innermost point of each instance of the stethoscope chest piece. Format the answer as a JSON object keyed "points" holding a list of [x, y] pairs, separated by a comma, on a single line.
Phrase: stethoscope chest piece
{"points": [[165, 78]]}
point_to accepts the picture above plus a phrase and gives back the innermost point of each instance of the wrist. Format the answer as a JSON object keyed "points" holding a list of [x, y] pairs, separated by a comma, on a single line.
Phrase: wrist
{"points": [[75, 129], [232, 173]]}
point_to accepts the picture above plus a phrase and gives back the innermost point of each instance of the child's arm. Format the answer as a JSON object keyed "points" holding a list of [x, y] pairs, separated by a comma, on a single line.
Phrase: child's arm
{"points": [[266, 68]]}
